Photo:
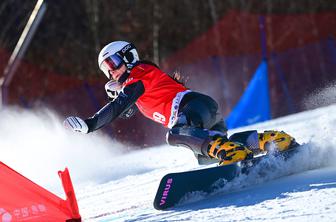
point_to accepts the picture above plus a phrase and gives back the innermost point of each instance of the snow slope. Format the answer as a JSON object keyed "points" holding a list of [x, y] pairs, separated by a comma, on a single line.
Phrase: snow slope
{"points": [[113, 185], [308, 194]]}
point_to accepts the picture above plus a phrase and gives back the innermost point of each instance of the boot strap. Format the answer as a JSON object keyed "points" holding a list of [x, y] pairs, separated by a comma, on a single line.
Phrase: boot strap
{"points": [[215, 146]]}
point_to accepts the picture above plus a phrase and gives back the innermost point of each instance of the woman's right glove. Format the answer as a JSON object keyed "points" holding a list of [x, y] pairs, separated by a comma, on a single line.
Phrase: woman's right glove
{"points": [[76, 124]]}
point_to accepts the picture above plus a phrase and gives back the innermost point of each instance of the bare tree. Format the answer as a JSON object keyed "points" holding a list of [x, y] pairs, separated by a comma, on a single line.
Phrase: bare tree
{"points": [[156, 31]]}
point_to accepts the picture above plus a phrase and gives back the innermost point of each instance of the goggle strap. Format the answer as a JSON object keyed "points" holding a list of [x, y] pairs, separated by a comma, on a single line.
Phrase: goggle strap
{"points": [[122, 52]]}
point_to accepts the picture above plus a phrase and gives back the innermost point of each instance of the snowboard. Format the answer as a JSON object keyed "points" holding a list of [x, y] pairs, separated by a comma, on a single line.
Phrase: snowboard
{"points": [[174, 186]]}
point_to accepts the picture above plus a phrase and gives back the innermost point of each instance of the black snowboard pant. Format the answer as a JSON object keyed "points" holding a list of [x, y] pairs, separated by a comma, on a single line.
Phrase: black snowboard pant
{"points": [[198, 117]]}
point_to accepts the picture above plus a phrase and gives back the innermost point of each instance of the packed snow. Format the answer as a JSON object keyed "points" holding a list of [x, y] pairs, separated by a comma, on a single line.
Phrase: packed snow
{"points": [[113, 184]]}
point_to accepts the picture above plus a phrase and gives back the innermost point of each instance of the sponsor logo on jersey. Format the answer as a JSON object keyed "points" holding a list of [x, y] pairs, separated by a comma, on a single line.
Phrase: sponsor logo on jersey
{"points": [[158, 117], [175, 107]]}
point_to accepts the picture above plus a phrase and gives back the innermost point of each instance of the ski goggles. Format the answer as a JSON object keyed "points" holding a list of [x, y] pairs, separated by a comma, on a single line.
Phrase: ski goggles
{"points": [[111, 63]]}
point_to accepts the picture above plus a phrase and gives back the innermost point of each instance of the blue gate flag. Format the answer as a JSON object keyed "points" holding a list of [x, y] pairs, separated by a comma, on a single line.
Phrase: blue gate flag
{"points": [[254, 105]]}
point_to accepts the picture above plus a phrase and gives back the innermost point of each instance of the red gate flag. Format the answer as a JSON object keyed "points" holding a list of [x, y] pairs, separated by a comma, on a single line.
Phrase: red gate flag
{"points": [[23, 200]]}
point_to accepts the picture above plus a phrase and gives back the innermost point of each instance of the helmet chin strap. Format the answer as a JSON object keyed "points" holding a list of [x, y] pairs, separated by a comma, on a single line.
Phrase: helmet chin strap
{"points": [[124, 76]]}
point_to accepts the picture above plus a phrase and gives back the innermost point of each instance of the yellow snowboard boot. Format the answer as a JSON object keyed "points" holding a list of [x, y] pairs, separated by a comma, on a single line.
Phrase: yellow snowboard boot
{"points": [[278, 139], [228, 152]]}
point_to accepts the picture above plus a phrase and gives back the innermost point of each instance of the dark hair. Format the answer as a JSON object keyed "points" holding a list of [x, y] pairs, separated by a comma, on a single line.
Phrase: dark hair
{"points": [[149, 63], [178, 77]]}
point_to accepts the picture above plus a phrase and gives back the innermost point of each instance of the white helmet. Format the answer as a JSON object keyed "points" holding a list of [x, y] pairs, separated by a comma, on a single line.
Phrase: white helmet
{"points": [[115, 54]]}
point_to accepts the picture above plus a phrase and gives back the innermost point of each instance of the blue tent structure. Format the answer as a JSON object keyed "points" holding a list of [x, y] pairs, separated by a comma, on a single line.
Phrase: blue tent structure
{"points": [[254, 105]]}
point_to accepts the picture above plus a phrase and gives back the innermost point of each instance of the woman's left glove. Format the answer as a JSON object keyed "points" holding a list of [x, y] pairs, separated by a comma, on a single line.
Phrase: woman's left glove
{"points": [[76, 124], [112, 89]]}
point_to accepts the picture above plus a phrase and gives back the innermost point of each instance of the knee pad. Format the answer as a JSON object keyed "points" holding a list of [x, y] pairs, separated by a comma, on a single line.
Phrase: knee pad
{"points": [[196, 139], [220, 127]]}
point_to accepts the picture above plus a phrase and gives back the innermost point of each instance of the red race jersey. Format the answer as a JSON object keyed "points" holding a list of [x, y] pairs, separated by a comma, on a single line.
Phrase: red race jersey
{"points": [[162, 96]]}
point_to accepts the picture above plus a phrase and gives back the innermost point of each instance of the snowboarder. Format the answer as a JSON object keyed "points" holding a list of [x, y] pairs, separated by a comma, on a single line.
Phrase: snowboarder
{"points": [[191, 117]]}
